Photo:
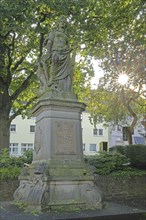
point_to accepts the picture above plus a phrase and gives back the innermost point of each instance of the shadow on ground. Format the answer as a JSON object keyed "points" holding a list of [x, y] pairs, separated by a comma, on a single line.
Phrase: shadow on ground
{"points": [[112, 211]]}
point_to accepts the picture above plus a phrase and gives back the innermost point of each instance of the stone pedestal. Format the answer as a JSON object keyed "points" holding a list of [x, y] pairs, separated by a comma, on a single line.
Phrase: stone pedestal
{"points": [[58, 178]]}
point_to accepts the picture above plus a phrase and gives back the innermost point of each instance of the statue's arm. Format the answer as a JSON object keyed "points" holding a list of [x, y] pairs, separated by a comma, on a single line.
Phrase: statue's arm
{"points": [[48, 42]]}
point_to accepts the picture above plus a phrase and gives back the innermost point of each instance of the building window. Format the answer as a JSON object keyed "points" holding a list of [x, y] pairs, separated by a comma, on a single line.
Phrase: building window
{"points": [[92, 147], [26, 146], [83, 147], [23, 145], [23, 149], [100, 131], [139, 140], [13, 148], [95, 131], [30, 145], [12, 128], [32, 128]]}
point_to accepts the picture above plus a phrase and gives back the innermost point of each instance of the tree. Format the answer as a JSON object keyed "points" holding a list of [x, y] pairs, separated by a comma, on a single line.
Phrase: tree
{"points": [[131, 95], [106, 106], [125, 54], [16, 72], [23, 26], [115, 101], [22, 30]]}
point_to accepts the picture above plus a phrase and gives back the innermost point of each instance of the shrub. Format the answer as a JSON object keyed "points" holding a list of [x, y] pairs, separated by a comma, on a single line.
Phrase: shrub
{"points": [[9, 173], [10, 167], [7, 161], [107, 162], [129, 172], [28, 156], [137, 155], [118, 148]]}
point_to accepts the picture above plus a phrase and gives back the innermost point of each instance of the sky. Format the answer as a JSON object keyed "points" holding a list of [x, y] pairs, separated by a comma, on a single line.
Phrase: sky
{"points": [[98, 73]]}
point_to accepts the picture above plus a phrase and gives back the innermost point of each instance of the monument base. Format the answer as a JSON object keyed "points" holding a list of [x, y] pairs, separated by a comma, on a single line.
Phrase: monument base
{"points": [[58, 178], [43, 192]]}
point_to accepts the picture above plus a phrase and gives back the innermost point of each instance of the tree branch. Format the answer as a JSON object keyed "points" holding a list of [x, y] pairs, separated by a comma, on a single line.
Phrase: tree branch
{"points": [[41, 44], [9, 75], [139, 103], [2, 82], [134, 117], [19, 111], [6, 35], [18, 63], [13, 41], [44, 16], [23, 86], [127, 105]]}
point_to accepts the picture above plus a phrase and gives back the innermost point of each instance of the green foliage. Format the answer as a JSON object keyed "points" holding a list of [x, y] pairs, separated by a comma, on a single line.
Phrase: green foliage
{"points": [[107, 162], [115, 164], [98, 27], [28, 156], [7, 161], [135, 153], [21, 205], [10, 162], [10, 167], [128, 172], [101, 26], [118, 148], [9, 173]]}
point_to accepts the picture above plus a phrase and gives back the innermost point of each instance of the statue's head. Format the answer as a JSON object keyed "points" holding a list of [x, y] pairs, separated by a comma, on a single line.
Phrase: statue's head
{"points": [[62, 22]]}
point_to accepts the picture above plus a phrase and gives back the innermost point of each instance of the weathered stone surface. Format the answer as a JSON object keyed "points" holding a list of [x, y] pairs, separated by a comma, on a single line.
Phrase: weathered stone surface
{"points": [[58, 177], [7, 189], [65, 141], [122, 188], [58, 130], [56, 66], [132, 188]]}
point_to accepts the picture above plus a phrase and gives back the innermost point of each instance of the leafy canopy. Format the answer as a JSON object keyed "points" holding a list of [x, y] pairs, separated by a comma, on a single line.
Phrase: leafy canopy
{"points": [[100, 28]]}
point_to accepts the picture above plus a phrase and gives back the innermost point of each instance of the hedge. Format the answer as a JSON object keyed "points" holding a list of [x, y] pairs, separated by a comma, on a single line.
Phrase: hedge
{"points": [[135, 153]]}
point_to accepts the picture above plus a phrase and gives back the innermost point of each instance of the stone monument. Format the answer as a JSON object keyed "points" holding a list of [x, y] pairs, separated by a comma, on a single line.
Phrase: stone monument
{"points": [[58, 178]]}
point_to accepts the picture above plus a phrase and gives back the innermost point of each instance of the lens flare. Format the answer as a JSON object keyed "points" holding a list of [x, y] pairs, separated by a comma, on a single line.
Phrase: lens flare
{"points": [[123, 79]]}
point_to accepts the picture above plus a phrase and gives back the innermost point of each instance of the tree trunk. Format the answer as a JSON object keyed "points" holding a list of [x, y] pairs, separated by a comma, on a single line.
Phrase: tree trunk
{"points": [[4, 129], [130, 136]]}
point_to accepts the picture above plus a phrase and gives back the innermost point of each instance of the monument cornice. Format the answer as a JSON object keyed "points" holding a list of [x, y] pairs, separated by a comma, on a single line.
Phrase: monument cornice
{"points": [[54, 104]]}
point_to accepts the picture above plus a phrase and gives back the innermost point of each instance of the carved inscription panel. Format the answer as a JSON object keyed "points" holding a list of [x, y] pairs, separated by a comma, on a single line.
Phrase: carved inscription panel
{"points": [[65, 139]]}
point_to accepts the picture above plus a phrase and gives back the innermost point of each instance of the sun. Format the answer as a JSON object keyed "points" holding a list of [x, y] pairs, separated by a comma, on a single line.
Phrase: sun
{"points": [[123, 79]]}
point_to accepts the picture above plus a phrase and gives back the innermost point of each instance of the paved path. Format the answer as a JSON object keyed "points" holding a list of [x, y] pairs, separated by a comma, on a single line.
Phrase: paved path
{"points": [[9, 211]]}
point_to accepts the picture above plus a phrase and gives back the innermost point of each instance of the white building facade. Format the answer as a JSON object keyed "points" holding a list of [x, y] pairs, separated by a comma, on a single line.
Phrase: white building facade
{"points": [[94, 139], [118, 134], [22, 134]]}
